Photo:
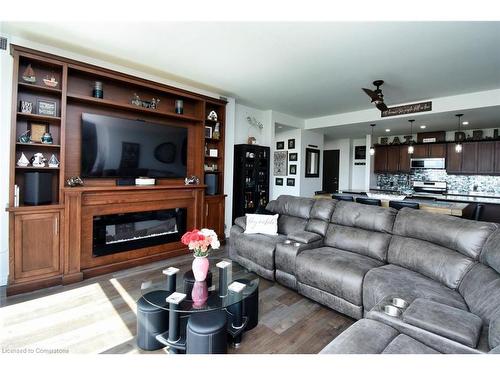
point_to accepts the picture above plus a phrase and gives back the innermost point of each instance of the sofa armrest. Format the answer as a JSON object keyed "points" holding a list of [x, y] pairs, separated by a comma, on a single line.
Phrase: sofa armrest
{"points": [[455, 324], [241, 222], [304, 237]]}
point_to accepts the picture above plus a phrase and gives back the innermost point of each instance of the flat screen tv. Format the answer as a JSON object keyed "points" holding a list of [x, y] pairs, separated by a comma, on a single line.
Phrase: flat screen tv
{"points": [[117, 147]]}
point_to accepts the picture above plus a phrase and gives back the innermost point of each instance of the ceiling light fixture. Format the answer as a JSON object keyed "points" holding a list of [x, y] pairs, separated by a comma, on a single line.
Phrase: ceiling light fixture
{"points": [[423, 126], [465, 123], [458, 146], [372, 149], [387, 130], [411, 149]]}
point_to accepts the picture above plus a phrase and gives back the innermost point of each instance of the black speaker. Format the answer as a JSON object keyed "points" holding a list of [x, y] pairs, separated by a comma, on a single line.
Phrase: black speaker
{"points": [[125, 181], [37, 188], [211, 180]]}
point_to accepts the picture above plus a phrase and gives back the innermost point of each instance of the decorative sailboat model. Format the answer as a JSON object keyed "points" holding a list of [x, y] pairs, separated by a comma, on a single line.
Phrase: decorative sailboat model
{"points": [[50, 82], [29, 74]]}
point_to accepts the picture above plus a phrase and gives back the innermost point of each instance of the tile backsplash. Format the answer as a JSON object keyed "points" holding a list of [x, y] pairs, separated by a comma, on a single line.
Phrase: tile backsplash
{"points": [[402, 181]]}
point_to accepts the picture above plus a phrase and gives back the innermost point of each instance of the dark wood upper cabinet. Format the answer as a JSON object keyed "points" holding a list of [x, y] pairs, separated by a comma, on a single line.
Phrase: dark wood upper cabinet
{"points": [[380, 160], [437, 150], [421, 151], [393, 158], [486, 157], [469, 157], [404, 159], [497, 157], [453, 159]]}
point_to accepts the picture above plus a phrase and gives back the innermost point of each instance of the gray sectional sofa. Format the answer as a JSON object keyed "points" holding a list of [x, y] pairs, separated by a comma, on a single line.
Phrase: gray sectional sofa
{"points": [[355, 258]]}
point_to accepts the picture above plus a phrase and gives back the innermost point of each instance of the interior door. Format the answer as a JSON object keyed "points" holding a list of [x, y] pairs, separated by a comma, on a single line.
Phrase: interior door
{"points": [[331, 160]]}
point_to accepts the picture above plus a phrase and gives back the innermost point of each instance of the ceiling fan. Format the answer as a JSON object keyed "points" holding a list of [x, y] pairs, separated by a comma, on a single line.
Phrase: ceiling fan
{"points": [[376, 95]]}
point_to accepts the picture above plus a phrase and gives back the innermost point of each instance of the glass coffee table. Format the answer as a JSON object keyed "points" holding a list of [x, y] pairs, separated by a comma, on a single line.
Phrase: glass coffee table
{"points": [[225, 288]]}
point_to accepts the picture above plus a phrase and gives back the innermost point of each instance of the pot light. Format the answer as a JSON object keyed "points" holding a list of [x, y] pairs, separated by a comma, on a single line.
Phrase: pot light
{"points": [[423, 126], [387, 130], [465, 123]]}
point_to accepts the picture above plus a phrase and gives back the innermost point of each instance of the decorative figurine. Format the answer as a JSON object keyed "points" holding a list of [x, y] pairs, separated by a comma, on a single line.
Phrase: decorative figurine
{"points": [[97, 91], [212, 116], [154, 103], [74, 181], [26, 107], [216, 133], [47, 138], [23, 161], [136, 100], [29, 75], [50, 82], [193, 180], [24, 137], [251, 141], [179, 107], [38, 160], [53, 162]]}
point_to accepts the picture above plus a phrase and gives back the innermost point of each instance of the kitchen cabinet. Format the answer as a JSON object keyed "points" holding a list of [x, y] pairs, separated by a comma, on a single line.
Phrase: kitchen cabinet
{"points": [[437, 150], [453, 159], [420, 151], [469, 157], [497, 157], [380, 159], [486, 157], [36, 246], [404, 159], [393, 158]]}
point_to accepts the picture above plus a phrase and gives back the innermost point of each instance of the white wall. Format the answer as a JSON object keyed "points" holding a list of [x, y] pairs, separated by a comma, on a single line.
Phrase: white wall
{"points": [[309, 185], [6, 63], [344, 147]]}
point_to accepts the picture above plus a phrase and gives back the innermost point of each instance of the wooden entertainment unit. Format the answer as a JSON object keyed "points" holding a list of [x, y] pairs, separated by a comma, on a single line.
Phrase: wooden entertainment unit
{"points": [[52, 244]]}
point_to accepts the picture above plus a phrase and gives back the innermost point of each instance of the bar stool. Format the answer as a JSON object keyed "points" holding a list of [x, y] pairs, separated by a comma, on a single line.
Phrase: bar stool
{"points": [[151, 320], [478, 212], [369, 201], [206, 333], [340, 197], [401, 204]]}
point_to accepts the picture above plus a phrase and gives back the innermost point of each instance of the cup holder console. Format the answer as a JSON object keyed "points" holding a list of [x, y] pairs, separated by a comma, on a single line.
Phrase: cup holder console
{"points": [[399, 302], [392, 310], [395, 306]]}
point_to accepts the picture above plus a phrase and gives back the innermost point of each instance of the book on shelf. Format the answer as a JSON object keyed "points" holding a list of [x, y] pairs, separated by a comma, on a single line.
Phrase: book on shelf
{"points": [[16, 195]]}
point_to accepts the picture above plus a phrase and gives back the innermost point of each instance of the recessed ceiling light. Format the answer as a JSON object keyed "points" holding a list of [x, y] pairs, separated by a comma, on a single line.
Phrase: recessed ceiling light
{"points": [[387, 130], [280, 127], [465, 123], [423, 126]]}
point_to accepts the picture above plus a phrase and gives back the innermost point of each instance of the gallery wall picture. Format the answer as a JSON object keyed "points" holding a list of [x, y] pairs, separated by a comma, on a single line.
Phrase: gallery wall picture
{"points": [[280, 163], [293, 169], [291, 144], [293, 156], [279, 182], [280, 145], [290, 182]]}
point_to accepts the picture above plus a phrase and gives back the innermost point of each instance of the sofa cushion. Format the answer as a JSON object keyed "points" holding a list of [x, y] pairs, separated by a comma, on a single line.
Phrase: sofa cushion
{"points": [[443, 320], [259, 248], [360, 241], [291, 206], [374, 218], [335, 271], [286, 254], [291, 224], [403, 344], [304, 237], [241, 222], [366, 336], [464, 236], [491, 251], [398, 281], [434, 261], [320, 215], [494, 331], [480, 288]]}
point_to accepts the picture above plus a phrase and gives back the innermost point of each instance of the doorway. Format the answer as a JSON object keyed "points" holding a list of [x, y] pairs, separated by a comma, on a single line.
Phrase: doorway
{"points": [[331, 160]]}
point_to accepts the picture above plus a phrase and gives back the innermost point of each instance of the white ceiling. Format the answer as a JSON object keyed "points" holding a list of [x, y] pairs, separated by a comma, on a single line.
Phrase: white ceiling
{"points": [[479, 118], [302, 69]]}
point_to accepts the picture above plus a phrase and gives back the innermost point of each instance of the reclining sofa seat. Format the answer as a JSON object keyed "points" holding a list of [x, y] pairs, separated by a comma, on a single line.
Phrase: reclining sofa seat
{"points": [[257, 251], [356, 241]]}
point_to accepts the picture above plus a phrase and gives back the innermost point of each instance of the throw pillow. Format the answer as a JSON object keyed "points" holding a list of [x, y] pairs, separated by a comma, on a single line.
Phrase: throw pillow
{"points": [[263, 224]]}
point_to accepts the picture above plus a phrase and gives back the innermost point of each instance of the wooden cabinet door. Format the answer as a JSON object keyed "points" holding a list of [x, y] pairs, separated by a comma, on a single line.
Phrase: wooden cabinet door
{"points": [[380, 159], [393, 158], [453, 159], [36, 245], [497, 157], [437, 150], [469, 157], [404, 159], [486, 157], [214, 214], [421, 151]]}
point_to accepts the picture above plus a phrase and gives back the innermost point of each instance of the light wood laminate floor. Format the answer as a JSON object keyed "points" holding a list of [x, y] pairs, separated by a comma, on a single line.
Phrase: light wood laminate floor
{"points": [[98, 316]]}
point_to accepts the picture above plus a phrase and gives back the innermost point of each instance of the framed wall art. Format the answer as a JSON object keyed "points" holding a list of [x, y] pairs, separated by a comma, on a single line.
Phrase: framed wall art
{"points": [[290, 182], [46, 107], [37, 130], [280, 163], [293, 169], [280, 145], [291, 144], [293, 156], [279, 182]]}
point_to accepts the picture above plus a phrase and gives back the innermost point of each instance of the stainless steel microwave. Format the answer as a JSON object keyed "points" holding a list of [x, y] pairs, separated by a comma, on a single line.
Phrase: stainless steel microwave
{"points": [[428, 163]]}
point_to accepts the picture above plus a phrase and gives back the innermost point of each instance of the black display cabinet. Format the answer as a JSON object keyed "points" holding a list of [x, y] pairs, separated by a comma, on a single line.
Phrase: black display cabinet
{"points": [[251, 179]]}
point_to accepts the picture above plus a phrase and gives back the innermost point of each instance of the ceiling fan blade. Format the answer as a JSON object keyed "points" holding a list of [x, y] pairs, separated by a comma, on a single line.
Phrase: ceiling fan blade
{"points": [[382, 107], [372, 94]]}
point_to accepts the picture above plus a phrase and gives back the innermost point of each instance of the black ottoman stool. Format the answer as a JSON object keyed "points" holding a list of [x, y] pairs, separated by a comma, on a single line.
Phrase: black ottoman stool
{"points": [[151, 320], [250, 306], [189, 282], [206, 333]]}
